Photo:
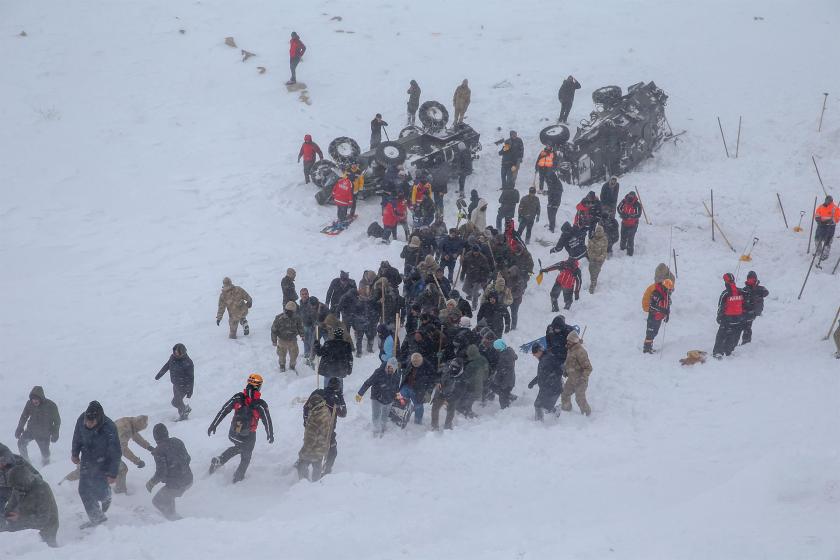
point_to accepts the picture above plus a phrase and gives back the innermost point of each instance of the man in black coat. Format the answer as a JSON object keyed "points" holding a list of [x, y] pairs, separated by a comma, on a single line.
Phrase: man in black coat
{"points": [[96, 449], [566, 95], [392, 274], [172, 468], [462, 304], [495, 313], [418, 377], [550, 380], [504, 378], [754, 294], [336, 356], [450, 248], [8, 461], [508, 199], [555, 196], [376, 130], [464, 166], [287, 284], [440, 185], [573, 240], [333, 395], [609, 196], [182, 375], [383, 385], [338, 287], [555, 337], [512, 152], [40, 422]]}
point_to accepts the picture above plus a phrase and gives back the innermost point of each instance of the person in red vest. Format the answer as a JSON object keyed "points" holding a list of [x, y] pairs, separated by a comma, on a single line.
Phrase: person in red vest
{"points": [[587, 212], [730, 317], [343, 196], [630, 209], [826, 216], [309, 150], [296, 50], [568, 282], [659, 309], [390, 220]]}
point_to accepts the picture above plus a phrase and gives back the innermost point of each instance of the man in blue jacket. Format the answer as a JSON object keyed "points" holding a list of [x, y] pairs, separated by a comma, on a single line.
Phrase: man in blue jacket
{"points": [[96, 449]]}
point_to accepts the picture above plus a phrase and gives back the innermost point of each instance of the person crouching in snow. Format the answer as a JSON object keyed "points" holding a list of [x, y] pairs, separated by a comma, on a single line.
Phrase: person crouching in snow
{"points": [[568, 282]]}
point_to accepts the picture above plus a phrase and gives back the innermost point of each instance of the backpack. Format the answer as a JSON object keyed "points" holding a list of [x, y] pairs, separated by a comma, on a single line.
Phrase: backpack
{"points": [[375, 230], [646, 297]]}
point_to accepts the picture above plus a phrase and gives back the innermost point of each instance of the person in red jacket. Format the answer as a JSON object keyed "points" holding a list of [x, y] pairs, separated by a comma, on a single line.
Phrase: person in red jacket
{"points": [[630, 209], [343, 196], [730, 317], [296, 50], [659, 309], [390, 220], [308, 151], [568, 282]]}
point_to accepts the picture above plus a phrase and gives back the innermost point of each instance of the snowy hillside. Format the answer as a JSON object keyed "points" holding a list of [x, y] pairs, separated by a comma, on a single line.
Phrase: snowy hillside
{"points": [[142, 164]]}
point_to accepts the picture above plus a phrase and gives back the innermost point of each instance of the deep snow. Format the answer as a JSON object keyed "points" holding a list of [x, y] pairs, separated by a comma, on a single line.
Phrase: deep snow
{"points": [[141, 165]]}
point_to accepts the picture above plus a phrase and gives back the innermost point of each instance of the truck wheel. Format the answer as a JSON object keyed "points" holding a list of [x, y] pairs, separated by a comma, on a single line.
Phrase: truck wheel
{"points": [[607, 95], [390, 153], [344, 149], [410, 130], [433, 115], [323, 196], [555, 135], [324, 173]]}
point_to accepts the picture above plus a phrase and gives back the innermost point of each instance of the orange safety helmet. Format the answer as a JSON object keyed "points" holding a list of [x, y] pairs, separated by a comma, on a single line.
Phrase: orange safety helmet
{"points": [[256, 380]]}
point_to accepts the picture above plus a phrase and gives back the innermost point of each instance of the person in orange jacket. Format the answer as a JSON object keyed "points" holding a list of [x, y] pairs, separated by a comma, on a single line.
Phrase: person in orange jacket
{"points": [[343, 196], [296, 50], [545, 164], [827, 215]]}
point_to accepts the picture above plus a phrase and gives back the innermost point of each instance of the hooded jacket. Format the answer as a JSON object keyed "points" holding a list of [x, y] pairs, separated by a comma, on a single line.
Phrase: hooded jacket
{"points": [[577, 366], [39, 422], [172, 462], [235, 300], [98, 448], [336, 358], [317, 430], [383, 385], [181, 370], [33, 501], [128, 429]]}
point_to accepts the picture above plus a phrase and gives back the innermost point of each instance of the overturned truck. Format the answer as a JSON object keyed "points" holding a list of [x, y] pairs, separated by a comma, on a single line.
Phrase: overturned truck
{"points": [[622, 131], [427, 148]]}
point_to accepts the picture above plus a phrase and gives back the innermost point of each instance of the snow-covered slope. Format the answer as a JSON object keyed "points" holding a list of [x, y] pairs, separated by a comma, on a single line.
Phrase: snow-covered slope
{"points": [[142, 164]]}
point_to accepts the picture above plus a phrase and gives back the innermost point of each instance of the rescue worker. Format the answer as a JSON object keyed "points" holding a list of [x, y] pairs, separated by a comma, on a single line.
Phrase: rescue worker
{"points": [[659, 309], [827, 215], [587, 213], [96, 449], [376, 131], [576, 369], [597, 253], [544, 165], [128, 429], [512, 152], [248, 409], [357, 179], [549, 379], [32, 505], [333, 396], [39, 421], [529, 212], [573, 240], [555, 197], [308, 151], [754, 294], [463, 166], [566, 95], [730, 317], [316, 437], [182, 375], [413, 102], [609, 196], [342, 193], [237, 302], [284, 332], [629, 210], [172, 469], [296, 50], [460, 102], [287, 285], [568, 283]]}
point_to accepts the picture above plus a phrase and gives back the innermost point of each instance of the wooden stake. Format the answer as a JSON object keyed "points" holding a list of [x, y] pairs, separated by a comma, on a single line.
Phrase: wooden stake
{"points": [[715, 224], [722, 137], [831, 328], [642, 204], [783, 209]]}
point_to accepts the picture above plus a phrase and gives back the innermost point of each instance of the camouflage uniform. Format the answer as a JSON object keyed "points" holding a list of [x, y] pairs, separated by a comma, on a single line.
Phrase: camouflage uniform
{"points": [[460, 101], [284, 332], [129, 429], [237, 302], [577, 368], [316, 438], [597, 252]]}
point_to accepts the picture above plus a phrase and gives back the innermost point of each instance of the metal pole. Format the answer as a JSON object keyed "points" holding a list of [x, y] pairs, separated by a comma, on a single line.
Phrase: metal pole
{"points": [[811, 232], [783, 210], [818, 175], [825, 98], [713, 213], [831, 328], [738, 140], [722, 137], [833, 270], [676, 272], [809, 270], [717, 225]]}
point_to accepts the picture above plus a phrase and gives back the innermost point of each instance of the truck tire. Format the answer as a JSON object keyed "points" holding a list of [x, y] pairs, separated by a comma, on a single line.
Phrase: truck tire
{"points": [[607, 95], [324, 173], [410, 130], [323, 196], [343, 149], [390, 153], [433, 115], [555, 135]]}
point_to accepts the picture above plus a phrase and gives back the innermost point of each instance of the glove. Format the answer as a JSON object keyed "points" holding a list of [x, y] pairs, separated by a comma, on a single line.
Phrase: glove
{"points": [[507, 330], [210, 431], [553, 250], [577, 296], [74, 459], [188, 395], [358, 397], [667, 317], [18, 433], [271, 438], [141, 464], [54, 438], [513, 168], [150, 485], [250, 303], [218, 321], [531, 384], [537, 219]]}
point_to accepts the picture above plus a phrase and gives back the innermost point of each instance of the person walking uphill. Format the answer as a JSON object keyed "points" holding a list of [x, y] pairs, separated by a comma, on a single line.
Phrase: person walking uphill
{"points": [[529, 212], [284, 332], [308, 151], [172, 468], [296, 50], [39, 421], [317, 430], [508, 200], [237, 302], [630, 210], [248, 409], [336, 356], [376, 130], [596, 252], [657, 303], [182, 375], [576, 369], [826, 216], [413, 102], [96, 449], [754, 294], [568, 282], [383, 384], [460, 102], [32, 505], [512, 152], [730, 317], [566, 96], [287, 285], [128, 429], [549, 379], [333, 396]]}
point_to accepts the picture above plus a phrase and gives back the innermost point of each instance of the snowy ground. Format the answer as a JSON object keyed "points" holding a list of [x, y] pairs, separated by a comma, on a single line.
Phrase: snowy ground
{"points": [[141, 165]]}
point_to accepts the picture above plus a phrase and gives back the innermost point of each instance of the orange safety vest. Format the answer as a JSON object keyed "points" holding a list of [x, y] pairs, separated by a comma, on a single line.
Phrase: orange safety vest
{"points": [[827, 213], [545, 159]]}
